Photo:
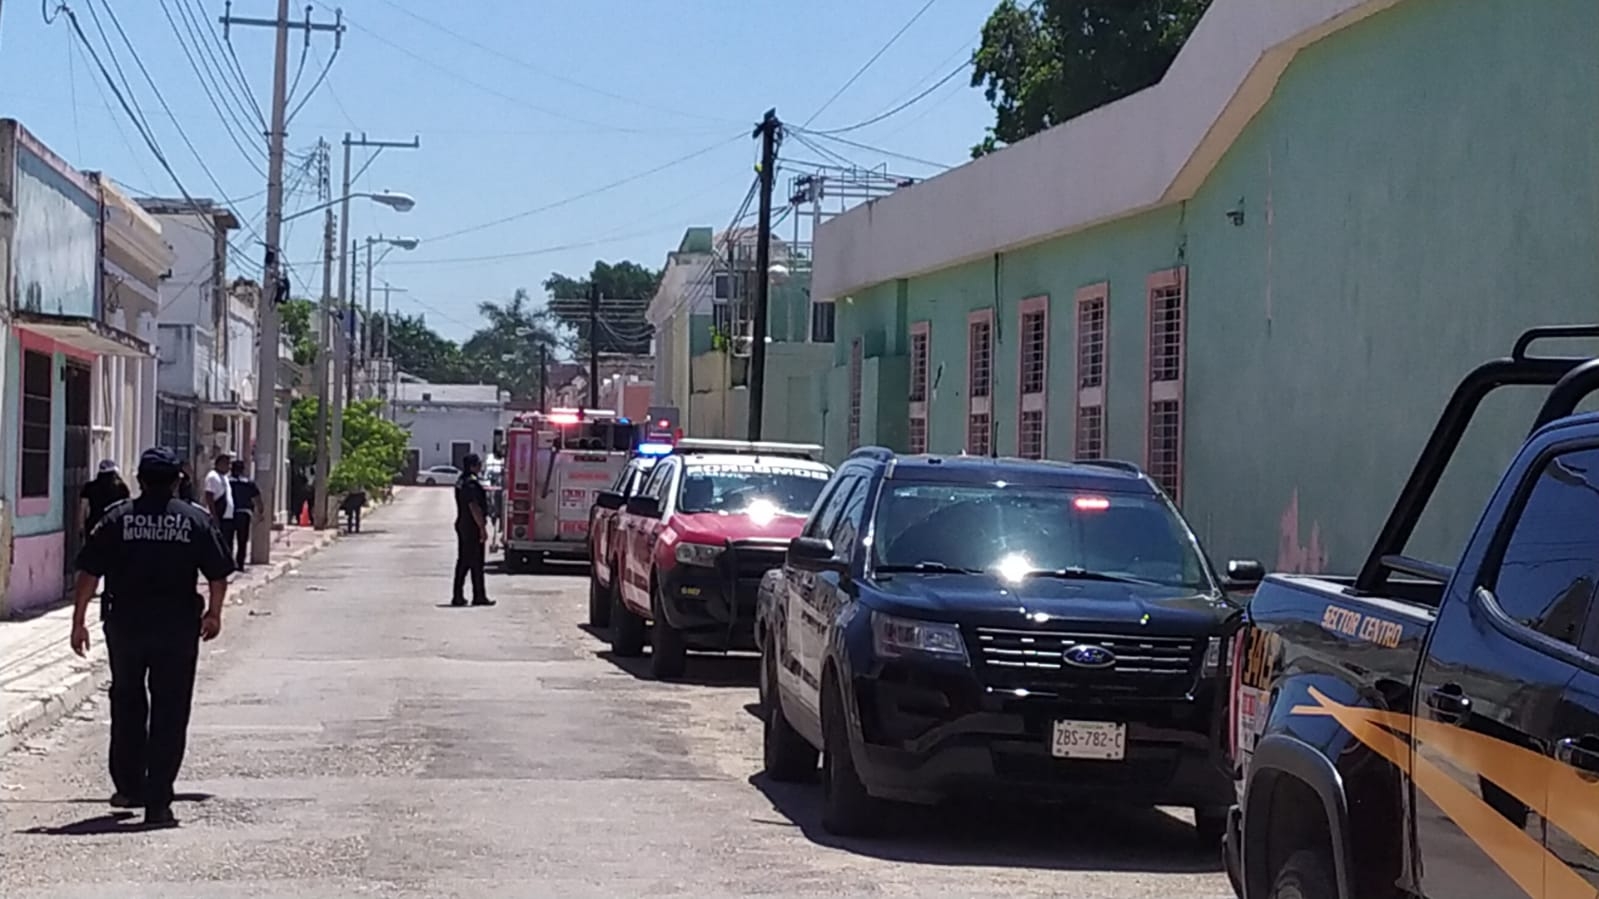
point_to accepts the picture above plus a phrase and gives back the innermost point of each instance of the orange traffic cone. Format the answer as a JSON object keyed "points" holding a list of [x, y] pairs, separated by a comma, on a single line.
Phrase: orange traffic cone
{"points": [[305, 514]]}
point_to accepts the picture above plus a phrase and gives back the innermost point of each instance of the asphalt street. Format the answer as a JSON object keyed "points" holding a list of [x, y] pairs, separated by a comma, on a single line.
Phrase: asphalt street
{"points": [[355, 736]]}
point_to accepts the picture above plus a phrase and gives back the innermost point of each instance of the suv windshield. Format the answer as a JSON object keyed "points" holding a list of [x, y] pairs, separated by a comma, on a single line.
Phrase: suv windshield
{"points": [[735, 489], [1024, 531]]}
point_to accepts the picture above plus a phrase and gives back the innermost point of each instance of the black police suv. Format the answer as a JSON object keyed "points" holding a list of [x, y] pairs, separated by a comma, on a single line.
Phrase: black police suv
{"points": [[950, 626]]}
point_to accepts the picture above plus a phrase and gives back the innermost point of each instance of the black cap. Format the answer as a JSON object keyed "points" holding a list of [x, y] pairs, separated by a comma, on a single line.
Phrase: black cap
{"points": [[158, 460], [471, 462]]}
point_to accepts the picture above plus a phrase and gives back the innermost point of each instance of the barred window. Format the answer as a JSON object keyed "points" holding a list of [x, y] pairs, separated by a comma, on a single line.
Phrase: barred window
{"points": [[1030, 439], [1091, 342], [977, 434], [855, 364], [1090, 432], [980, 349], [918, 367], [1034, 339], [1166, 333], [1165, 445]]}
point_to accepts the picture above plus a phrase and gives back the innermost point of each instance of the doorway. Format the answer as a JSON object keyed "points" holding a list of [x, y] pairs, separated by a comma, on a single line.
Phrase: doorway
{"points": [[75, 462]]}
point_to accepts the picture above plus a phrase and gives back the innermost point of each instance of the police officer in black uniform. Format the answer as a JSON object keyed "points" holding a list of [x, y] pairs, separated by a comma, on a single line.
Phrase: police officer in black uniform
{"points": [[151, 551], [471, 533]]}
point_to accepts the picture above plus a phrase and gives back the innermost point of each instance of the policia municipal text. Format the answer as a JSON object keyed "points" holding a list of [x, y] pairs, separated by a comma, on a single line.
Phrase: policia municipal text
{"points": [[151, 552]]}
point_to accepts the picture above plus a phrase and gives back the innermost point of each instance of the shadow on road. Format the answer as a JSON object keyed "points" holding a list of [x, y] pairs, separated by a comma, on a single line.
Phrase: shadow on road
{"points": [[702, 670], [1054, 837]]}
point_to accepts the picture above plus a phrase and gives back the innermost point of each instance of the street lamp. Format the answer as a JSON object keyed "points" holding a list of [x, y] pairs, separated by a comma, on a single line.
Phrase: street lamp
{"points": [[393, 199], [394, 243]]}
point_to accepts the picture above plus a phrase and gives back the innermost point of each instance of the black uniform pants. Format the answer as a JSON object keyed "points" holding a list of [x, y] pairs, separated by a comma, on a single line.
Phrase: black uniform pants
{"points": [[468, 560], [225, 528], [241, 538], [152, 688]]}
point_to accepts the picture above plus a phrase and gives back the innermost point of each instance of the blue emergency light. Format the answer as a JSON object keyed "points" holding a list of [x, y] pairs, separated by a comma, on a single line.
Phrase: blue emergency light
{"points": [[655, 449]]}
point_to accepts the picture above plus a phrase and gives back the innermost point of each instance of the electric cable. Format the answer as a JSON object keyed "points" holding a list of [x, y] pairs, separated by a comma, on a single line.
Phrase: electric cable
{"points": [[868, 64]]}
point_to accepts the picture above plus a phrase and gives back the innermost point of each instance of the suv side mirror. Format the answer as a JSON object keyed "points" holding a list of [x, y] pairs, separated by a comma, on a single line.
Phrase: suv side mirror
{"points": [[815, 554], [608, 499], [644, 506], [1244, 574]]}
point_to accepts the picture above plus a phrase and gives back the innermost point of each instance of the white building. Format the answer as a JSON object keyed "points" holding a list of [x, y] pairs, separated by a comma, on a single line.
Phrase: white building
{"points": [[447, 421]]}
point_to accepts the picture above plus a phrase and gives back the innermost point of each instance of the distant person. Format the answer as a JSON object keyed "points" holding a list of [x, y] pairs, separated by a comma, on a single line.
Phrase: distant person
{"points": [[219, 496], [471, 533], [246, 505], [100, 494], [186, 485], [151, 551]]}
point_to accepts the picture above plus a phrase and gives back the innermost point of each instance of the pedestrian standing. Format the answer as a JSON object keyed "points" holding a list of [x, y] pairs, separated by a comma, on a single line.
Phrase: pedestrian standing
{"points": [[219, 496], [106, 490], [246, 505], [151, 550], [471, 533]]}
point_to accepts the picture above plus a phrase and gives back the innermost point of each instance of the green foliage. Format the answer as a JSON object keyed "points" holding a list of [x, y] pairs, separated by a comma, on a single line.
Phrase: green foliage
{"points": [[506, 350], [1047, 61], [624, 328], [298, 317], [419, 350], [373, 446]]}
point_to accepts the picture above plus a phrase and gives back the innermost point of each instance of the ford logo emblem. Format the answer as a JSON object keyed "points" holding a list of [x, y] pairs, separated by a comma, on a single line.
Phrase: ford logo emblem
{"points": [[1086, 656]]}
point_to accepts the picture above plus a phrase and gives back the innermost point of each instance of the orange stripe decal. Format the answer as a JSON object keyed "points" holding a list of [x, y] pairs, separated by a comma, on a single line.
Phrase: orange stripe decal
{"points": [[1524, 774]]}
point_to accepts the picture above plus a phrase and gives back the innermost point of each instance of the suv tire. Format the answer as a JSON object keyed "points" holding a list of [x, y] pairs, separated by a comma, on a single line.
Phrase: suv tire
{"points": [[788, 757], [599, 601], [668, 652], [847, 809], [1305, 875], [627, 629], [1210, 827]]}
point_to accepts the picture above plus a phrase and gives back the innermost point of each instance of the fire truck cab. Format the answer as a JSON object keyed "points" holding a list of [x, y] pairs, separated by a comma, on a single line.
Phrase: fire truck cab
{"points": [[555, 464]]}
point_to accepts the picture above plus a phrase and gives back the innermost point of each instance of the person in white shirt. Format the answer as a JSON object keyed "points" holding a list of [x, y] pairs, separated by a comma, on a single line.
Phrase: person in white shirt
{"points": [[219, 497]]}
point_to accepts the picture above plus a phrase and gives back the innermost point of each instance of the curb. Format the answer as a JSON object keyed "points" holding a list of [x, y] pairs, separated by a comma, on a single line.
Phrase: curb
{"points": [[90, 675]]}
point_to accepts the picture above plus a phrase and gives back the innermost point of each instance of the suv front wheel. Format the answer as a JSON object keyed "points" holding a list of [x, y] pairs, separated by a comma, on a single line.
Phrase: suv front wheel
{"points": [[788, 757], [847, 809]]}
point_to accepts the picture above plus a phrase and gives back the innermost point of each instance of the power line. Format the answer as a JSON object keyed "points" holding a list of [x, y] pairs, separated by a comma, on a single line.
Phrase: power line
{"points": [[236, 84], [545, 72], [588, 193], [871, 149], [311, 92], [495, 92], [229, 117], [161, 98], [901, 107], [868, 64], [226, 43]]}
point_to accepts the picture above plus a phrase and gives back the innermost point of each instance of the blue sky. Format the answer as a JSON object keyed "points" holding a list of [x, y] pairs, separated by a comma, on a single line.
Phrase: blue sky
{"points": [[527, 105]]}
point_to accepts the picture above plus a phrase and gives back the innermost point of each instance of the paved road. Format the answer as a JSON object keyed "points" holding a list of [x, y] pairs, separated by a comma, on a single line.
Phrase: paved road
{"points": [[353, 737]]}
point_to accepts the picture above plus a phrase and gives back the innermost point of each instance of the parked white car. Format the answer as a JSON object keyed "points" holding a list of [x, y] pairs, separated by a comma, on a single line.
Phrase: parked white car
{"points": [[444, 475]]}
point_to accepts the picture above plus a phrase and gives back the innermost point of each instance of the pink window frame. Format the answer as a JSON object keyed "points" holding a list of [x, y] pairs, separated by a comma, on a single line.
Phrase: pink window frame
{"points": [[1170, 390], [1090, 397], [1039, 401], [918, 410], [857, 366], [980, 405]]}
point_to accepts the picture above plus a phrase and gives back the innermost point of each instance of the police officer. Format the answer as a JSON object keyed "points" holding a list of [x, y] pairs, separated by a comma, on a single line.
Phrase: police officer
{"points": [[471, 533], [151, 551]]}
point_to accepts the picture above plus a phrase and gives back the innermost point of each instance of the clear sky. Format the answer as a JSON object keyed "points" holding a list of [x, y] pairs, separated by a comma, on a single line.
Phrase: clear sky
{"points": [[524, 109]]}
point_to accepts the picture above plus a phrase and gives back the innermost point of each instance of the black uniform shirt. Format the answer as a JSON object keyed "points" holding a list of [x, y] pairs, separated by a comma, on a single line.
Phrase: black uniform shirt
{"points": [[469, 491], [244, 494], [151, 551], [101, 493]]}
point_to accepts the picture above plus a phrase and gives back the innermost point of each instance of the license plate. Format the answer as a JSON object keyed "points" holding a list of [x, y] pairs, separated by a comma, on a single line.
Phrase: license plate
{"points": [[1106, 740]]}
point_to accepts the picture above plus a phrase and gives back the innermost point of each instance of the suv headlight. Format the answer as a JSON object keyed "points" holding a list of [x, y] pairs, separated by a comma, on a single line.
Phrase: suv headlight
{"points": [[702, 554], [894, 637]]}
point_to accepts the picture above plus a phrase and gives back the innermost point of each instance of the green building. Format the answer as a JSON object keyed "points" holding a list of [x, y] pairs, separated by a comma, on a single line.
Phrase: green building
{"points": [[1259, 278]]}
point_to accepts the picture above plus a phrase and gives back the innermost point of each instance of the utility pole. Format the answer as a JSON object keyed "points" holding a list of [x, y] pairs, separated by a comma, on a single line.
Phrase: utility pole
{"points": [[347, 277], [594, 346], [770, 132], [544, 376], [268, 329], [366, 324], [319, 508]]}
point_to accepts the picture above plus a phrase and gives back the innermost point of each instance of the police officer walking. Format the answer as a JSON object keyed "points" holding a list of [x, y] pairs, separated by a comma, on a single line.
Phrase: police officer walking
{"points": [[151, 551], [471, 533]]}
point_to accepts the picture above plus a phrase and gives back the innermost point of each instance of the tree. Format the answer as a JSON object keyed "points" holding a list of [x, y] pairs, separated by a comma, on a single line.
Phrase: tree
{"points": [[419, 350], [623, 327], [1048, 61], [373, 450], [299, 326], [506, 350]]}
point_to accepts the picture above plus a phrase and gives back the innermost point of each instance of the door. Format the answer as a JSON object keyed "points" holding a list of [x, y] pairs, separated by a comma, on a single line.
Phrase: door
{"points": [[793, 593], [459, 450], [75, 462], [637, 539], [807, 628], [1492, 700]]}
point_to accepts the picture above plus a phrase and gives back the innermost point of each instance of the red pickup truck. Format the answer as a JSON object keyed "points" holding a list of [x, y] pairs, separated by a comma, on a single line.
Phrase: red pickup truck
{"points": [[692, 543], [602, 532]]}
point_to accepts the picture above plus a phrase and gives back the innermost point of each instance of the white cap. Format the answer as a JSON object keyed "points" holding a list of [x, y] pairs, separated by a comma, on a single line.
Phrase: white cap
{"points": [[107, 465]]}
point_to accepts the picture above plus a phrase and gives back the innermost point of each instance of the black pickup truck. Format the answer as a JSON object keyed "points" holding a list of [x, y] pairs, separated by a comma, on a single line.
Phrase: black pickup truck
{"points": [[1426, 730]]}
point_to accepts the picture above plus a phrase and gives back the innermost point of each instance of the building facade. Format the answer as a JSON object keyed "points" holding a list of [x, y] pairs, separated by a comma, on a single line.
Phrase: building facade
{"points": [[1260, 278], [72, 353], [447, 421]]}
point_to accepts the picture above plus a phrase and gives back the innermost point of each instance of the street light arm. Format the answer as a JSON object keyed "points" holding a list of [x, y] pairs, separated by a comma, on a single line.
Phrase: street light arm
{"points": [[396, 201]]}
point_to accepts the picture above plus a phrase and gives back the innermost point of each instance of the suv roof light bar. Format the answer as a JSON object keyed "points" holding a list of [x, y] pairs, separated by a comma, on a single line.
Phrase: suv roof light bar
{"points": [[811, 451], [1119, 465], [879, 453]]}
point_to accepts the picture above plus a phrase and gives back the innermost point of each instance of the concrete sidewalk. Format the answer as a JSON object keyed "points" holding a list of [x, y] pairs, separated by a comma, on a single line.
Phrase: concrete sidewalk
{"points": [[42, 680]]}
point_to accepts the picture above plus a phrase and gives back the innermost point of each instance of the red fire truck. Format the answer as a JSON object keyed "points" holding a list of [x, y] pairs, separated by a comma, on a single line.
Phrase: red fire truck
{"points": [[555, 463]]}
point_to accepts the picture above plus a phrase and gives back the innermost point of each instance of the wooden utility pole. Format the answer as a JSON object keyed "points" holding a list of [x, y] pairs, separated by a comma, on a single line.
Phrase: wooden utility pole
{"points": [[267, 463], [594, 346], [770, 133], [544, 376], [319, 508]]}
